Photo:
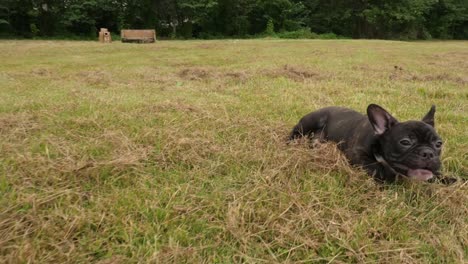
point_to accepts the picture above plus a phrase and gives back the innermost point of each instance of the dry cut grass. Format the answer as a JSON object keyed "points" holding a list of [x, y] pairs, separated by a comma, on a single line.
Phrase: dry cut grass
{"points": [[175, 152]]}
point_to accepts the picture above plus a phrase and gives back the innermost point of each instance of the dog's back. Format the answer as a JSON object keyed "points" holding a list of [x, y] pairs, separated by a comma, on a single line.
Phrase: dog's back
{"points": [[330, 123]]}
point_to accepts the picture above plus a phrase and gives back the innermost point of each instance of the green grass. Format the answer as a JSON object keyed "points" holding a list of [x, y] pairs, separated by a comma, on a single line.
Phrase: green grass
{"points": [[175, 152]]}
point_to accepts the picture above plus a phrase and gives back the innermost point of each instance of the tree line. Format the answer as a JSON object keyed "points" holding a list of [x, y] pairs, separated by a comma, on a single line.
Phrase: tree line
{"points": [[384, 19]]}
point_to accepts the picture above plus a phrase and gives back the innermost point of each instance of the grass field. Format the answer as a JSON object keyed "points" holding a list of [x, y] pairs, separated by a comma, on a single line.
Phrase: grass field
{"points": [[175, 152]]}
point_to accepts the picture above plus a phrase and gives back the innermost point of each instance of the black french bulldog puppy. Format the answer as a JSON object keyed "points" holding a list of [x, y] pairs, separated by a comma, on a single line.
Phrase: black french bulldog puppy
{"points": [[384, 147]]}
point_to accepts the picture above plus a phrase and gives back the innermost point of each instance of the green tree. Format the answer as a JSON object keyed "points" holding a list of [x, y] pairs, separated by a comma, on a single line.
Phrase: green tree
{"points": [[4, 20], [397, 19], [195, 16], [448, 19]]}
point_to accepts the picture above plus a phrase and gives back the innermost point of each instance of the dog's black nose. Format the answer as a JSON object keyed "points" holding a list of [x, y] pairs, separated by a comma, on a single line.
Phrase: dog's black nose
{"points": [[427, 154]]}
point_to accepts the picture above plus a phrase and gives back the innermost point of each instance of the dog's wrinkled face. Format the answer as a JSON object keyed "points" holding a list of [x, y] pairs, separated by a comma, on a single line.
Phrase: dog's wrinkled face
{"points": [[412, 148]]}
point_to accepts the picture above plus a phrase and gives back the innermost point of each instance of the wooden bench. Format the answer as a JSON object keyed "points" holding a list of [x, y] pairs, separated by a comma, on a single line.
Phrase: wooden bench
{"points": [[138, 35]]}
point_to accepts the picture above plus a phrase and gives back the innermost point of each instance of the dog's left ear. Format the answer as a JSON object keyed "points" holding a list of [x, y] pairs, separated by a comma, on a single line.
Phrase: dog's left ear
{"points": [[429, 117], [380, 119]]}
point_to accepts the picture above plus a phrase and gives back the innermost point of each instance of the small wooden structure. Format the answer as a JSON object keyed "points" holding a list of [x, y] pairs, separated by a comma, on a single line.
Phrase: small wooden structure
{"points": [[105, 36], [138, 35]]}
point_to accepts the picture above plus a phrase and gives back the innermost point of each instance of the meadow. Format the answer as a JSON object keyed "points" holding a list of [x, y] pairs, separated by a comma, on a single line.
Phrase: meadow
{"points": [[175, 152]]}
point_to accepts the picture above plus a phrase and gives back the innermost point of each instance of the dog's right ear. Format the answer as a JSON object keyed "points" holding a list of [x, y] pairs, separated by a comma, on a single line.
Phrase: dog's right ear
{"points": [[380, 119]]}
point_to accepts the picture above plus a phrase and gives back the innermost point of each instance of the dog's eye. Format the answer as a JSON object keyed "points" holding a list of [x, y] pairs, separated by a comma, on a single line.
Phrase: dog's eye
{"points": [[438, 144], [405, 142]]}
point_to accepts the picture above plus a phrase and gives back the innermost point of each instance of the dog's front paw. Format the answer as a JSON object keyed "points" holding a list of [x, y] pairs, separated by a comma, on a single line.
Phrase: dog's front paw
{"points": [[446, 180]]}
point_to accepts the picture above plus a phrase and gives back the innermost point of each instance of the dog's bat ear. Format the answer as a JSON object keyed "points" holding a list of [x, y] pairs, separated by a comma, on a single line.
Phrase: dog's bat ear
{"points": [[429, 117], [380, 119]]}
